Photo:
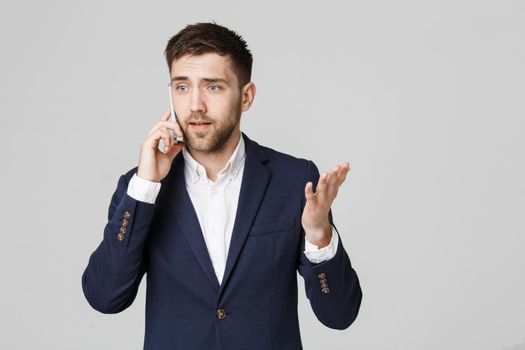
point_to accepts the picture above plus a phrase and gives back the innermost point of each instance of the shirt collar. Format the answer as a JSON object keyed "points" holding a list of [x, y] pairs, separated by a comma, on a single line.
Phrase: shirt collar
{"points": [[231, 169]]}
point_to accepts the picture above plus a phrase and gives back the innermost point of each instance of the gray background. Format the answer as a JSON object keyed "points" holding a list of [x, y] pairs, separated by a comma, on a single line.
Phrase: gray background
{"points": [[425, 99]]}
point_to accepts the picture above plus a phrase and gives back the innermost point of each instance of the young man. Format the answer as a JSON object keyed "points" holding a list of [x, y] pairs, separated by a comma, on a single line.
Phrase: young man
{"points": [[219, 223]]}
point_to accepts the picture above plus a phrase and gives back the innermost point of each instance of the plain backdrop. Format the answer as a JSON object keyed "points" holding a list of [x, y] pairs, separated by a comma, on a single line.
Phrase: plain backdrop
{"points": [[425, 99]]}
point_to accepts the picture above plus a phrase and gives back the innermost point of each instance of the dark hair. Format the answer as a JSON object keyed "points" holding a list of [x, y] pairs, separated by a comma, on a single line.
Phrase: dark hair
{"points": [[201, 38]]}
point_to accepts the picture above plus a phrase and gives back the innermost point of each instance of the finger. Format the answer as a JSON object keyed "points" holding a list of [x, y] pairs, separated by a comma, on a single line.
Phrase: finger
{"points": [[168, 144], [334, 174], [332, 180], [166, 115], [167, 137], [346, 166], [159, 125], [165, 129], [309, 191], [154, 139], [339, 170], [177, 130], [154, 129], [168, 125], [172, 126], [343, 172], [321, 185]]}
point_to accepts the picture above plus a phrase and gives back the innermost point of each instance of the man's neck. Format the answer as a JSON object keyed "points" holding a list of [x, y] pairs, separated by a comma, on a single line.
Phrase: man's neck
{"points": [[215, 162]]}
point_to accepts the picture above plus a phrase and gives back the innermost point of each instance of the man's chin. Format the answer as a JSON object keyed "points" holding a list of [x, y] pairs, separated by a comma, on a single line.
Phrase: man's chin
{"points": [[199, 145]]}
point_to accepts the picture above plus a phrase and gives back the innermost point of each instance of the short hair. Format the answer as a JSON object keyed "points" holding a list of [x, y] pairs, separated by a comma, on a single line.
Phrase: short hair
{"points": [[201, 38]]}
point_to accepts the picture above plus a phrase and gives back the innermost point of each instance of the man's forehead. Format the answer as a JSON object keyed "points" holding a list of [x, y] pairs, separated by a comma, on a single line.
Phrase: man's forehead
{"points": [[202, 65]]}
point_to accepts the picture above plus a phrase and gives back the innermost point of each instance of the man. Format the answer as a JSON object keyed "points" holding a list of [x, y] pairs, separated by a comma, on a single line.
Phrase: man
{"points": [[219, 223]]}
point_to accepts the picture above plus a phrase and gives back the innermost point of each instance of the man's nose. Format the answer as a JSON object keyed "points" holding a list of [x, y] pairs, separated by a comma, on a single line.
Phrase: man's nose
{"points": [[197, 102]]}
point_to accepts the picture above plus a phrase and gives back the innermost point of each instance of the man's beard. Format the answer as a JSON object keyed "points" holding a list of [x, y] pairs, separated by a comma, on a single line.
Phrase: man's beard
{"points": [[218, 133]]}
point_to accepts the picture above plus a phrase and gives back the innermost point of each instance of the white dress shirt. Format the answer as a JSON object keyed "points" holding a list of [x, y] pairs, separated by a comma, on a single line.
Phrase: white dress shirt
{"points": [[216, 205]]}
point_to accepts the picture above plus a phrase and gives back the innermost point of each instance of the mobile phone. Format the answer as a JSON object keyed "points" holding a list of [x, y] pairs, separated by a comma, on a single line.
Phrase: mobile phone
{"points": [[174, 116]]}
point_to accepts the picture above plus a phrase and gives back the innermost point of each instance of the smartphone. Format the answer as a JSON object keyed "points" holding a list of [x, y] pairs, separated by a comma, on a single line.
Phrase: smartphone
{"points": [[174, 116]]}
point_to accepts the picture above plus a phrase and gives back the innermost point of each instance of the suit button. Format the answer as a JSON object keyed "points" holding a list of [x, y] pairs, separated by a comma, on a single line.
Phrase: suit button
{"points": [[221, 314], [127, 214], [324, 285], [120, 236], [125, 222], [321, 275], [122, 230], [323, 280], [325, 290]]}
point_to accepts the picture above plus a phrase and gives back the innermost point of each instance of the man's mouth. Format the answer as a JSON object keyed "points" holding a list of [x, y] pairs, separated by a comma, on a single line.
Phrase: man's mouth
{"points": [[199, 123], [199, 126]]}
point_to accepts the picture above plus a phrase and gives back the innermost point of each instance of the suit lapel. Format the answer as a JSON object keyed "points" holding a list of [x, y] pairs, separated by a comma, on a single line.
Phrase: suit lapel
{"points": [[184, 213], [255, 179]]}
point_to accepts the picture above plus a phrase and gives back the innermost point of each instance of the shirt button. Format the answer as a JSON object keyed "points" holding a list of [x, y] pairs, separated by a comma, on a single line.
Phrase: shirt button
{"points": [[214, 190], [221, 314]]}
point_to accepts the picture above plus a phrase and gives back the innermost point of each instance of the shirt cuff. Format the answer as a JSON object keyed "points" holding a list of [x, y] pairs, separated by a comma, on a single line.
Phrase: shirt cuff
{"points": [[143, 190], [316, 255]]}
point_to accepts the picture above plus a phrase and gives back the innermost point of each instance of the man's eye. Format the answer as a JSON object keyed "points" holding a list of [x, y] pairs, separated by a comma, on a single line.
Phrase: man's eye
{"points": [[181, 88], [214, 87]]}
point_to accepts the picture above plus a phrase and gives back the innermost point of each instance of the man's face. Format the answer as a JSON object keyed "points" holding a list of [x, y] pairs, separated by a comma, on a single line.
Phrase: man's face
{"points": [[207, 101]]}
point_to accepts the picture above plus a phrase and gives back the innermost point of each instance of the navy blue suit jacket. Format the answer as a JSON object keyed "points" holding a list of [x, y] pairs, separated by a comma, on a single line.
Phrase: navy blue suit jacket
{"points": [[255, 307]]}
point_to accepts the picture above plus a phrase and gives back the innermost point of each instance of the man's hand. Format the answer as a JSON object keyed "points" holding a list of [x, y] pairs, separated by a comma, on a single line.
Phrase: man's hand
{"points": [[154, 165], [315, 214]]}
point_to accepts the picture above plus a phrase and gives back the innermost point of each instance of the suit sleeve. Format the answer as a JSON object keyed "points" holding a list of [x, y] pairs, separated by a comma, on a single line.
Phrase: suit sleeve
{"points": [[331, 286], [115, 269]]}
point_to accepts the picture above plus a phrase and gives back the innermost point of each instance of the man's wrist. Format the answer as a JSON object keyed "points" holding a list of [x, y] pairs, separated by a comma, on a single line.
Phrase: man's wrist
{"points": [[322, 239], [143, 190], [316, 255]]}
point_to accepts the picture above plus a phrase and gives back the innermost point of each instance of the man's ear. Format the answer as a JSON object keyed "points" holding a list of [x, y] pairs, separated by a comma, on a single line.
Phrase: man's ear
{"points": [[247, 95]]}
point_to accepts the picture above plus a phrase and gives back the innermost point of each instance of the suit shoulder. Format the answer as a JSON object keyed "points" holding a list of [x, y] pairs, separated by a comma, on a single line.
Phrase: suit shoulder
{"points": [[284, 158], [287, 163], [274, 158]]}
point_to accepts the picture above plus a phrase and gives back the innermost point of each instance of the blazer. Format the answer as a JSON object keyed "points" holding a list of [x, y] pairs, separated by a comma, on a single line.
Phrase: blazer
{"points": [[255, 307]]}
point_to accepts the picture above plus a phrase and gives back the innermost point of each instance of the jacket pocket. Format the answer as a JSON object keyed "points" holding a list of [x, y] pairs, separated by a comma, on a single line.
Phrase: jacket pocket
{"points": [[273, 227]]}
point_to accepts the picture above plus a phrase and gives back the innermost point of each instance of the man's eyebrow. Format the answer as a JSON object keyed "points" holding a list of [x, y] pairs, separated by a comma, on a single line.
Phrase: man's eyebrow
{"points": [[208, 80], [216, 80]]}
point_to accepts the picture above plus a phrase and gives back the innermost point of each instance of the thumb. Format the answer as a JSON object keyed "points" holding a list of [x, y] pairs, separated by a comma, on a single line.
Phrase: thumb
{"points": [[308, 191]]}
